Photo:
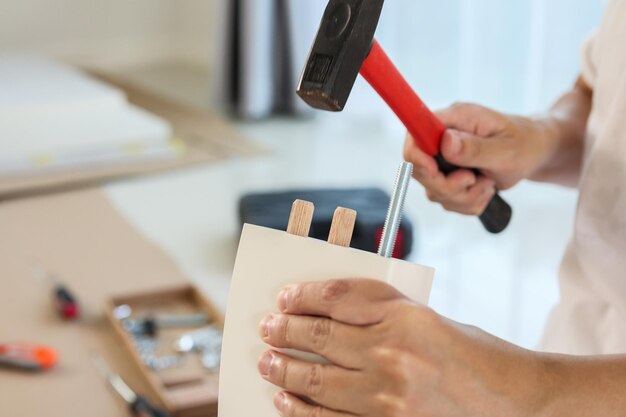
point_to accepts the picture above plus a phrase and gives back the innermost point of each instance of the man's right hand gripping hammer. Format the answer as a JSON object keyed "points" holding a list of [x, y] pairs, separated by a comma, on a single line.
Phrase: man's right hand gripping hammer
{"points": [[344, 47]]}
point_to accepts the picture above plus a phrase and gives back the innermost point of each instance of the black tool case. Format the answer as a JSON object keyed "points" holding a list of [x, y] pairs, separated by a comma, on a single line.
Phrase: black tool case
{"points": [[272, 210]]}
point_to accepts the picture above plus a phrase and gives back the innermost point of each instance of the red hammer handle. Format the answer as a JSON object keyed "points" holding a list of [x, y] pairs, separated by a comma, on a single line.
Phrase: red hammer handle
{"points": [[422, 124], [385, 78]]}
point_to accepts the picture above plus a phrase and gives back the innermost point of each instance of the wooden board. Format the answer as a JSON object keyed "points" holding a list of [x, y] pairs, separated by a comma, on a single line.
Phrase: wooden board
{"points": [[83, 239], [267, 261]]}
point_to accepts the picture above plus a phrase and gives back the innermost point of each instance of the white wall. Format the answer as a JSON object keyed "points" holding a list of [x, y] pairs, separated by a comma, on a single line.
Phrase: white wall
{"points": [[110, 33]]}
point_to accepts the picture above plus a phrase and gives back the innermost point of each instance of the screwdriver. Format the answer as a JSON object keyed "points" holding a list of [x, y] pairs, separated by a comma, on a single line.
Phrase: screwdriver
{"points": [[139, 405], [64, 302], [396, 206], [27, 357]]}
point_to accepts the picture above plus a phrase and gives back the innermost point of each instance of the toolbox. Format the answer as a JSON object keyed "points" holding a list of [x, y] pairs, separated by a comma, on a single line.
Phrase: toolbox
{"points": [[175, 374], [272, 210]]}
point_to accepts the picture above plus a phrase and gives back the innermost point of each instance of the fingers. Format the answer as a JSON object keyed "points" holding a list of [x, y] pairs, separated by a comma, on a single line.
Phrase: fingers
{"points": [[472, 201], [447, 186], [291, 406], [467, 150], [473, 118], [316, 382], [423, 164], [337, 342], [460, 191], [342, 300]]}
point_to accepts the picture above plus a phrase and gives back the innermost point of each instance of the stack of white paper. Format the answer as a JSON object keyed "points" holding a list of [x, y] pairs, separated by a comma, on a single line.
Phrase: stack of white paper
{"points": [[54, 117]]}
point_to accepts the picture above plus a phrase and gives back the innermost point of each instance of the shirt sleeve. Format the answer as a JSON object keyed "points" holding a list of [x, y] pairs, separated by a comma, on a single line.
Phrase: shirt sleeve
{"points": [[589, 69]]}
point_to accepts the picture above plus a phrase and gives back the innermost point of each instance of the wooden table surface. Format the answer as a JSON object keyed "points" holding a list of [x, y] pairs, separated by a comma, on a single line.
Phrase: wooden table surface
{"points": [[80, 237]]}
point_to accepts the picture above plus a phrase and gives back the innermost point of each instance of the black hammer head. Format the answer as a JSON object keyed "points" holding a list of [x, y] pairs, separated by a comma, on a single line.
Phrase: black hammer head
{"points": [[343, 42]]}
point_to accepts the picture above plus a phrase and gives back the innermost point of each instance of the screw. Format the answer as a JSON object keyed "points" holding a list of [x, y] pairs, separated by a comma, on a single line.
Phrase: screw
{"points": [[394, 215]]}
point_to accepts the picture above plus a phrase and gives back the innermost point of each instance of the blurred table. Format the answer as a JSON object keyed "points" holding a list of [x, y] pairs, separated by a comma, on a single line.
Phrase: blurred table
{"points": [[92, 250]]}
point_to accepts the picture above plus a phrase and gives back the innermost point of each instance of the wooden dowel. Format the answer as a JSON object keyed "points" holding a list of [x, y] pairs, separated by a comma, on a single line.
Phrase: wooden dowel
{"points": [[343, 227], [301, 218]]}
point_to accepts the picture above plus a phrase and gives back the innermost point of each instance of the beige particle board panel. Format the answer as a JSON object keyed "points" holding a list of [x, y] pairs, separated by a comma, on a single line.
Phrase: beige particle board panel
{"points": [[80, 237], [267, 261]]}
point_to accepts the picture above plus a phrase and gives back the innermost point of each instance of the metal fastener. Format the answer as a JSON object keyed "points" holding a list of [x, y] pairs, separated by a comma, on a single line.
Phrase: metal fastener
{"points": [[394, 215]]}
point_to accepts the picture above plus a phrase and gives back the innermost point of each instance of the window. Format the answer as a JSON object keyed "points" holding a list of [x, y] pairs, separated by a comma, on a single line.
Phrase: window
{"points": [[514, 55]]}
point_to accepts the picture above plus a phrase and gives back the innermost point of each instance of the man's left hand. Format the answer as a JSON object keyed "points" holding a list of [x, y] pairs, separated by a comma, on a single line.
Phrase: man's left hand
{"points": [[389, 357]]}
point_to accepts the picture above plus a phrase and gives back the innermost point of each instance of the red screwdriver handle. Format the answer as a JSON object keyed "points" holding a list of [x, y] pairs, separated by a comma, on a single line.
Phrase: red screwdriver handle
{"points": [[385, 78], [422, 124]]}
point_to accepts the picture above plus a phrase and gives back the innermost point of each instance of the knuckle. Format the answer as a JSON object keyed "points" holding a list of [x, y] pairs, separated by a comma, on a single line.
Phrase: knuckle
{"points": [[478, 210], [475, 211], [390, 406], [280, 372], [283, 329], [433, 197], [314, 386], [463, 107], [426, 316], [458, 105], [395, 366], [401, 372], [320, 333], [296, 297], [289, 410], [449, 207], [458, 188], [456, 207], [334, 290], [380, 355]]}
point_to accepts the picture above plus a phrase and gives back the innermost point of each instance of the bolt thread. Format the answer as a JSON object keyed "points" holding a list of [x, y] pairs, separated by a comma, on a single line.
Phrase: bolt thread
{"points": [[396, 207]]}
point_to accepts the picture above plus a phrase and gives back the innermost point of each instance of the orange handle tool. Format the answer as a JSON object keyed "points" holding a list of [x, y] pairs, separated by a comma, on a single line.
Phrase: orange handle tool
{"points": [[27, 357]]}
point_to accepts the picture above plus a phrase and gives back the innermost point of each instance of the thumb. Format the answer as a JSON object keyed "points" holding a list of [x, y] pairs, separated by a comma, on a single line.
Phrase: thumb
{"points": [[467, 150]]}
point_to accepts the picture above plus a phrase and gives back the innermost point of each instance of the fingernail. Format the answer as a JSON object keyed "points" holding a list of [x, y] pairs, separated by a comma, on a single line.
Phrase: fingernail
{"points": [[265, 364], [266, 325], [282, 299], [280, 401], [456, 144]]}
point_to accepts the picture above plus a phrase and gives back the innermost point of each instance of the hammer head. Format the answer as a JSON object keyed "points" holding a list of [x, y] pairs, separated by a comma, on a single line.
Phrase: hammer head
{"points": [[343, 42]]}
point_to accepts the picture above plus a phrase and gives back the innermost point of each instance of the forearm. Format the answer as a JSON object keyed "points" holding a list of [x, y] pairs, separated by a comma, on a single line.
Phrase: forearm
{"points": [[585, 386], [511, 381], [565, 128]]}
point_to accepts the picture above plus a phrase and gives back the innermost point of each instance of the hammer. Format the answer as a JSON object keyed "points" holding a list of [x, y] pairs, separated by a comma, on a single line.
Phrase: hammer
{"points": [[344, 47]]}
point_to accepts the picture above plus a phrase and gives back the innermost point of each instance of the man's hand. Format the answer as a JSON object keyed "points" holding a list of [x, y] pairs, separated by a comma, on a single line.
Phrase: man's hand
{"points": [[506, 149], [390, 358]]}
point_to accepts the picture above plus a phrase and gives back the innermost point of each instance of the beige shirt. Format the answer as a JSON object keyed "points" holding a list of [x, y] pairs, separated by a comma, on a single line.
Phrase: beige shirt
{"points": [[591, 316]]}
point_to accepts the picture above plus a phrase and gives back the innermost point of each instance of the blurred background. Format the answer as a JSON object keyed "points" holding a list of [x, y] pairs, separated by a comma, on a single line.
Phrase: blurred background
{"points": [[242, 59], [515, 55]]}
